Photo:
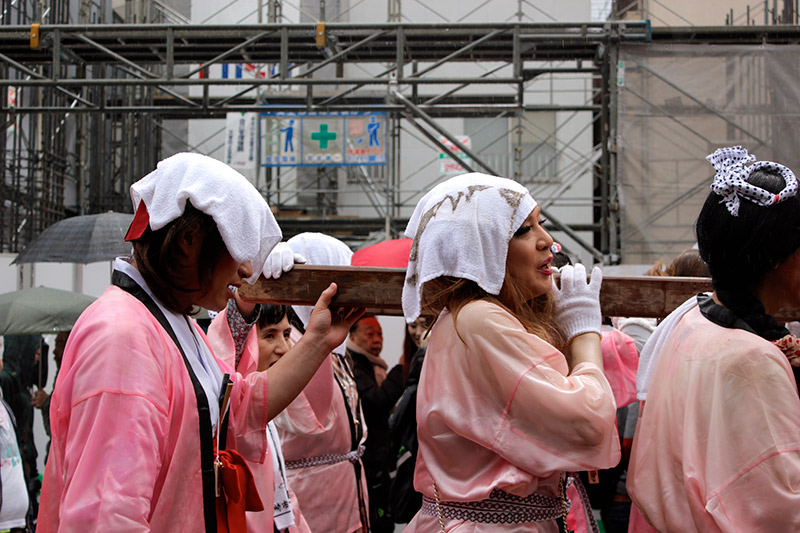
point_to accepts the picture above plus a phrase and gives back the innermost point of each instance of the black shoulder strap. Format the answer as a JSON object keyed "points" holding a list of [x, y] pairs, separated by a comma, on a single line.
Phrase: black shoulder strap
{"points": [[124, 282]]}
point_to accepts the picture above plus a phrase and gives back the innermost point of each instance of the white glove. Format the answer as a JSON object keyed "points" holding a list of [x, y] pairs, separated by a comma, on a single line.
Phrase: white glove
{"points": [[281, 259], [576, 304]]}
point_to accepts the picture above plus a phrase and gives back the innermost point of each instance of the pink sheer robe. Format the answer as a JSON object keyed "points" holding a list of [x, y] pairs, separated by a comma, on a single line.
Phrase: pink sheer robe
{"points": [[125, 452], [221, 340], [496, 408], [316, 423], [717, 447]]}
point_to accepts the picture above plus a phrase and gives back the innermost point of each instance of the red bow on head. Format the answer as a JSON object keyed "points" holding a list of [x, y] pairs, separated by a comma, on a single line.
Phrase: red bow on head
{"points": [[141, 221]]}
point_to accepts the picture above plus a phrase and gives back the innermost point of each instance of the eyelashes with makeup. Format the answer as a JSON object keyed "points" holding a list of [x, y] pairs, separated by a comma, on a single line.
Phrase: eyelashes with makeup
{"points": [[522, 231], [525, 229]]}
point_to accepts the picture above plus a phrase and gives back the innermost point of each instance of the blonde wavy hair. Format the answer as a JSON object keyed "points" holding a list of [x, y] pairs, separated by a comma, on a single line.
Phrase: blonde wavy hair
{"points": [[454, 293]]}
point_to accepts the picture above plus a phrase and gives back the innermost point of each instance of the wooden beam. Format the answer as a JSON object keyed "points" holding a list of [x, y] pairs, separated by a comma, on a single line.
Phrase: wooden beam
{"points": [[380, 290]]}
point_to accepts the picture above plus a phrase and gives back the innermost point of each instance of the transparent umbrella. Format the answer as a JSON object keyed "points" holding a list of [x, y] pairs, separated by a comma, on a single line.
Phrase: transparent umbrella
{"points": [[40, 310], [84, 239]]}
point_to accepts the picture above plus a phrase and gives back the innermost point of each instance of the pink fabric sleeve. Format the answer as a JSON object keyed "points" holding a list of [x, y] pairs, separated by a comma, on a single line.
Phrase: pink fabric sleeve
{"points": [[249, 412], [765, 498], [311, 413], [318, 394], [620, 363], [302, 412], [754, 474], [300, 419], [520, 402], [319, 391], [111, 462], [249, 416]]}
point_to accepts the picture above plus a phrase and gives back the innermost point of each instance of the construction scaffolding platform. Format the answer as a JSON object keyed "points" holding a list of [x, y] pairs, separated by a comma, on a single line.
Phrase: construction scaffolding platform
{"points": [[112, 86], [147, 57]]}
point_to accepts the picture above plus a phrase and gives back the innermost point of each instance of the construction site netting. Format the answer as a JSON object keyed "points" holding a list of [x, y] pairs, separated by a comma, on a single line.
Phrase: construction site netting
{"points": [[677, 104]]}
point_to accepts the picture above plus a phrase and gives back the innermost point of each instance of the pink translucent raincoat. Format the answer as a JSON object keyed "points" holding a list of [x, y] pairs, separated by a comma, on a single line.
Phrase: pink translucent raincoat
{"points": [[496, 409], [125, 453], [620, 362], [316, 423], [717, 447], [221, 340]]}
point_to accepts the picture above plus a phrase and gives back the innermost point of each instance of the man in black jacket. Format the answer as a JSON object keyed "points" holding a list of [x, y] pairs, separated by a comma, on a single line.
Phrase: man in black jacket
{"points": [[379, 391]]}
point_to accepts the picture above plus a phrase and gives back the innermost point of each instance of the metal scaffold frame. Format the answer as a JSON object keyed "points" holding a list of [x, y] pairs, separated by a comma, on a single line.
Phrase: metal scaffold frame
{"points": [[146, 56], [118, 82]]}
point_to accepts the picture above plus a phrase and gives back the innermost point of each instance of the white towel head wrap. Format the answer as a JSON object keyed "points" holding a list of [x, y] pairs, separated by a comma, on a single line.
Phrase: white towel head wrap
{"points": [[243, 217], [461, 228], [320, 250]]}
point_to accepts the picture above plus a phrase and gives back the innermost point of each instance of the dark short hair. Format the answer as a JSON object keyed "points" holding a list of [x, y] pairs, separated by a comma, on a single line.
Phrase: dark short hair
{"points": [[160, 262], [741, 250], [271, 314], [354, 327]]}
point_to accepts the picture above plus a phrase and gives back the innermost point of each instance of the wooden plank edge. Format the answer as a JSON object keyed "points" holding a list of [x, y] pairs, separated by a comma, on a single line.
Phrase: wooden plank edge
{"points": [[380, 291]]}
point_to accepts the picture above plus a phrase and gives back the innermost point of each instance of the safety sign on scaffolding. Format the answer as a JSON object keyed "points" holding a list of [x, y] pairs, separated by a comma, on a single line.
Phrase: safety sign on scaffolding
{"points": [[324, 139], [240, 140], [446, 163]]}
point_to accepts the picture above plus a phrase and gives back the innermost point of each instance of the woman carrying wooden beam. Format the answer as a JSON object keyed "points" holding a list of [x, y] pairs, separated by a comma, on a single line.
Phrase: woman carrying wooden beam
{"points": [[142, 437], [502, 414], [717, 445]]}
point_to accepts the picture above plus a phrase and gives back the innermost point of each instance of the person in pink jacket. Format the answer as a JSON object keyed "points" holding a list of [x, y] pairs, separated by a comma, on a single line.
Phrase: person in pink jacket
{"points": [[717, 446], [242, 331], [323, 430], [139, 404], [502, 414]]}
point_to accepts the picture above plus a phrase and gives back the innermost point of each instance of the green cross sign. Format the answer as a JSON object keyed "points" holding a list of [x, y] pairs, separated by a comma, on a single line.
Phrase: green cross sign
{"points": [[323, 136]]}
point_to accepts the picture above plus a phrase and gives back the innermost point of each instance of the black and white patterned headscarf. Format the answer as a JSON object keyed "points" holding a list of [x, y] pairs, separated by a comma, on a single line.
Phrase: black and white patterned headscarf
{"points": [[731, 183]]}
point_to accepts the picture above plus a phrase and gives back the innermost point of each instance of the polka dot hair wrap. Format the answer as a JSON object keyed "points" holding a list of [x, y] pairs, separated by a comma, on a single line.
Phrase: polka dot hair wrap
{"points": [[731, 183]]}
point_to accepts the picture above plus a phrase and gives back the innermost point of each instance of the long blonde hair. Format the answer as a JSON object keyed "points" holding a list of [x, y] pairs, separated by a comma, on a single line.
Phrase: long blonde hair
{"points": [[453, 293]]}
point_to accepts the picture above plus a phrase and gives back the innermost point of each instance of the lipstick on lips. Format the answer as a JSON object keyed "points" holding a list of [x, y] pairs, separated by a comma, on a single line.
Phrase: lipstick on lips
{"points": [[544, 268]]}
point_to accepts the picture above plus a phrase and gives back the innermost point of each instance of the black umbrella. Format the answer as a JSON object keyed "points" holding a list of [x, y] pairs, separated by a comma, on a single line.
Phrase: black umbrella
{"points": [[84, 239]]}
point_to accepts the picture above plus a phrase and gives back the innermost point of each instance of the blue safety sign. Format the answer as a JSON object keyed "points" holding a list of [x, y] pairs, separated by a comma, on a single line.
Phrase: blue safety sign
{"points": [[324, 139]]}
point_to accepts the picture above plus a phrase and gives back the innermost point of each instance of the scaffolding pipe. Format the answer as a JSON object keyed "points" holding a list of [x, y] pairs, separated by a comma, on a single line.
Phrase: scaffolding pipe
{"points": [[556, 222]]}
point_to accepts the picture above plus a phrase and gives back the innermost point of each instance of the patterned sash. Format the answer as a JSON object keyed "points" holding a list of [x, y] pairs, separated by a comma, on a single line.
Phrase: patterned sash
{"points": [[499, 508], [330, 459]]}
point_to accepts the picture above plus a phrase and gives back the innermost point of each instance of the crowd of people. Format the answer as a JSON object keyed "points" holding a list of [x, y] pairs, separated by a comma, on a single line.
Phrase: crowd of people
{"points": [[516, 405]]}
